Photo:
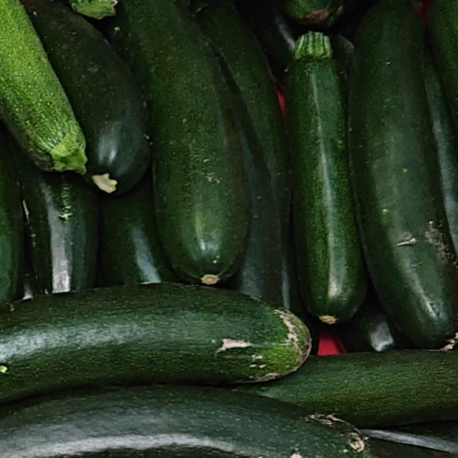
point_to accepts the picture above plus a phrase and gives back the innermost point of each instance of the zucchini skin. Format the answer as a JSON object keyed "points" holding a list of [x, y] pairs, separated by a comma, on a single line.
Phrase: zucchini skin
{"points": [[329, 259], [321, 13], [133, 334], [407, 243], [200, 182], [61, 226], [33, 103], [103, 93], [12, 243], [441, 435], [445, 135], [371, 389], [243, 55], [130, 248], [96, 9], [170, 422], [386, 449]]}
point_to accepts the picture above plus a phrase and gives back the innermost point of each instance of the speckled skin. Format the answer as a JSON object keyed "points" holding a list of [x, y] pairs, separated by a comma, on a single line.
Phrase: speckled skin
{"points": [[171, 422], [32, 100], [103, 93], [202, 196], [145, 333], [396, 178]]}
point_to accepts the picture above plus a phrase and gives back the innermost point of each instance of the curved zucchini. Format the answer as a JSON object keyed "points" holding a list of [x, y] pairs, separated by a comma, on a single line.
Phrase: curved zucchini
{"points": [[171, 422], [372, 389], [201, 185], [103, 94], [243, 55], [163, 332], [12, 243], [61, 216], [396, 178], [330, 266], [130, 248], [33, 103]]}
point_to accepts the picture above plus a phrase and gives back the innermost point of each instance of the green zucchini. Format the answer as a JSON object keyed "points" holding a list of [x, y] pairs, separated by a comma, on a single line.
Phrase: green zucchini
{"points": [[385, 449], [201, 185], [372, 389], [170, 422], [322, 13], [446, 137], [130, 249], [134, 334], [243, 55], [330, 266], [103, 93], [97, 9], [33, 103], [12, 244], [443, 34], [61, 222], [440, 435], [371, 329], [396, 178]]}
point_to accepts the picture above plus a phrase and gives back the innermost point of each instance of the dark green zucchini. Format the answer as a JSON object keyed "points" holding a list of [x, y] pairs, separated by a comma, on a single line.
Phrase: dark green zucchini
{"points": [[396, 177], [330, 266], [440, 435], [103, 94], [201, 185], [12, 241], [446, 138], [134, 334], [372, 389], [385, 449], [170, 422], [371, 329], [243, 55], [321, 13], [61, 220], [130, 249]]}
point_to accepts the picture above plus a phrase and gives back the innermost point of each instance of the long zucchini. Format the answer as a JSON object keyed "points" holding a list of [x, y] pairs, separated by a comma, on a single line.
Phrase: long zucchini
{"points": [[33, 103], [145, 333], [406, 237]]}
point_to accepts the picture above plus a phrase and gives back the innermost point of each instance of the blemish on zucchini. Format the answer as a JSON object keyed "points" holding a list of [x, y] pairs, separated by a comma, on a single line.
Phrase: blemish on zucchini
{"points": [[451, 343], [328, 319], [357, 442], [3, 368], [209, 279], [230, 343], [410, 240], [105, 183]]}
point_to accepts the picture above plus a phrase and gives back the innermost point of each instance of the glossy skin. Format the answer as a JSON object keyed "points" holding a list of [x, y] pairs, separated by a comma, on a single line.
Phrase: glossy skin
{"points": [[371, 389], [329, 259], [61, 217], [406, 238], [102, 91], [165, 333], [130, 249], [201, 186], [170, 422]]}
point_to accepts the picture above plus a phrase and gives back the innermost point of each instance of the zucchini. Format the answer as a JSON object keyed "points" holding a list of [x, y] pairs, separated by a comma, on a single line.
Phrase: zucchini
{"points": [[97, 9], [12, 243], [243, 55], [446, 137], [321, 13], [103, 93], [385, 449], [170, 422], [61, 224], [33, 103], [372, 389], [130, 249], [134, 334], [393, 155], [200, 183], [443, 34], [330, 266], [440, 435], [371, 329]]}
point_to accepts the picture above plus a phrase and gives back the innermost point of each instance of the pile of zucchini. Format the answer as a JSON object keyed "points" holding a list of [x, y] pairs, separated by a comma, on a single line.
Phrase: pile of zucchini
{"points": [[191, 191]]}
